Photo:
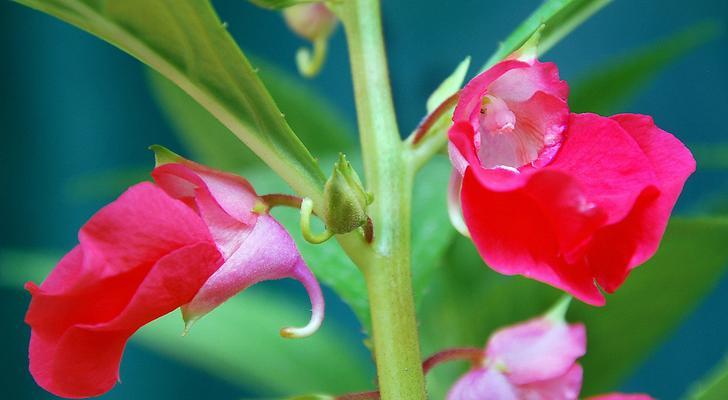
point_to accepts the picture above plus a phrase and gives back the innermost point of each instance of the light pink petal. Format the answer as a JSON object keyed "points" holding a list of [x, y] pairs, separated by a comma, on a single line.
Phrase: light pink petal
{"points": [[224, 201], [621, 396], [268, 252], [564, 387], [517, 85], [472, 94], [534, 139], [483, 384], [453, 203], [537, 350]]}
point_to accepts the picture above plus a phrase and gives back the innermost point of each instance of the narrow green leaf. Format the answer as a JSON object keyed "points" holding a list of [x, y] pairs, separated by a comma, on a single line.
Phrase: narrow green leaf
{"points": [[449, 86], [278, 4], [185, 41], [608, 89], [561, 17], [239, 340], [469, 301], [321, 127], [712, 387]]}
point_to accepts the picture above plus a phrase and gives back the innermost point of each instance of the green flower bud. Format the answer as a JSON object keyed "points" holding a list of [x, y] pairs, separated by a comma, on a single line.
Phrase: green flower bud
{"points": [[345, 200]]}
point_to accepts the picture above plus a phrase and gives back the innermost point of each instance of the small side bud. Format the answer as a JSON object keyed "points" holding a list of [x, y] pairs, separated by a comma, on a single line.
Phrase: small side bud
{"points": [[311, 20], [314, 22], [345, 200]]}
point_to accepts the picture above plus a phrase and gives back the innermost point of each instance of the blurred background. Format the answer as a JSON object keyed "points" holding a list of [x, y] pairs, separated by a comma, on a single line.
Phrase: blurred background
{"points": [[77, 115]]}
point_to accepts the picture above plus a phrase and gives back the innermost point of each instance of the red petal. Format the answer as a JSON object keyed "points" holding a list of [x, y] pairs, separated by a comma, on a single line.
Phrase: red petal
{"points": [[140, 257]]}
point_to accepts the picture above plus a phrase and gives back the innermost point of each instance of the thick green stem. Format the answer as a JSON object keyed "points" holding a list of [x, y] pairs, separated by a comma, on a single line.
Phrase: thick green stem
{"points": [[388, 176]]}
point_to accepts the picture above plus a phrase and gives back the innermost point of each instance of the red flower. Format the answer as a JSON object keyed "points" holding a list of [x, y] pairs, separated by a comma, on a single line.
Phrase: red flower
{"points": [[146, 254], [568, 200]]}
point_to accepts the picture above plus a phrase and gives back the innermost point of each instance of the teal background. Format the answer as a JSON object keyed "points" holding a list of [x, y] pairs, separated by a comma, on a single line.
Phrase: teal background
{"points": [[72, 106]]}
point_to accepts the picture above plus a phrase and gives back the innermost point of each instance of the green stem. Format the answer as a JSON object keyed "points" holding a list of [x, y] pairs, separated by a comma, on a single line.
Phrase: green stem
{"points": [[387, 271]]}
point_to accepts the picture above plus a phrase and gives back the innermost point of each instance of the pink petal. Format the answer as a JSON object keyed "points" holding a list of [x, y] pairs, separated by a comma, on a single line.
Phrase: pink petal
{"points": [[517, 85], [536, 350], [268, 252], [483, 384], [535, 138], [518, 231], [635, 239], [224, 201], [564, 387], [621, 396], [472, 94], [610, 166]]}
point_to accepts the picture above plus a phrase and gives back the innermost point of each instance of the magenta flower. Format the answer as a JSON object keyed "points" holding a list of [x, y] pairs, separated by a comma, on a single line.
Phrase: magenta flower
{"points": [[566, 199], [194, 242], [535, 360]]}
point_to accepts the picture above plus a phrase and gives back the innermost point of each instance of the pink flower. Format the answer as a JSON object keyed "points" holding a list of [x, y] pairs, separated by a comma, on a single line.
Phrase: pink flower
{"points": [[621, 396], [534, 360], [567, 199], [192, 241]]}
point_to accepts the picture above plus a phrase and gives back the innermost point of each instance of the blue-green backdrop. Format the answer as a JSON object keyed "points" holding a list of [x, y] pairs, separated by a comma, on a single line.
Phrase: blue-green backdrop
{"points": [[71, 105]]}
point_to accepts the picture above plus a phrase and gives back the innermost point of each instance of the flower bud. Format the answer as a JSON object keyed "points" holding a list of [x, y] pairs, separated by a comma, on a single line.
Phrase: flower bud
{"points": [[311, 21], [345, 200]]}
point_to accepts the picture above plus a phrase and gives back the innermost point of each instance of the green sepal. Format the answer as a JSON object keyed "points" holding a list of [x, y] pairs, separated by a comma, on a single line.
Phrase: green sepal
{"points": [[163, 155], [345, 200]]}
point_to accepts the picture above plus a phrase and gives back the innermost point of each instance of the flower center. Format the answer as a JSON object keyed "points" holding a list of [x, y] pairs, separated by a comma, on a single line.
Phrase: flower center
{"points": [[506, 137]]}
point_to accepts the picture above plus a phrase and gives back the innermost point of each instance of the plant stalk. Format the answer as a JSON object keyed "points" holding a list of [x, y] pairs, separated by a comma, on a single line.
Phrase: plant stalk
{"points": [[389, 177]]}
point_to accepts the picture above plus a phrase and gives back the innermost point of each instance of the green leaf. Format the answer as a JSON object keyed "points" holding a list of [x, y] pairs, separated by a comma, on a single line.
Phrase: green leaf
{"points": [[239, 340], [278, 4], [711, 156], [185, 41], [712, 387], [691, 261], [469, 301], [608, 89], [560, 17], [321, 128], [449, 86]]}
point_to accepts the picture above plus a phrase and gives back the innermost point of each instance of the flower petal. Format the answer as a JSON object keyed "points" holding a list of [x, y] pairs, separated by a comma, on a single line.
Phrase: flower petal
{"points": [[521, 84], [268, 252], [483, 384], [564, 387], [82, 359], [537, 350], [224, 201], [635, 239]]}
